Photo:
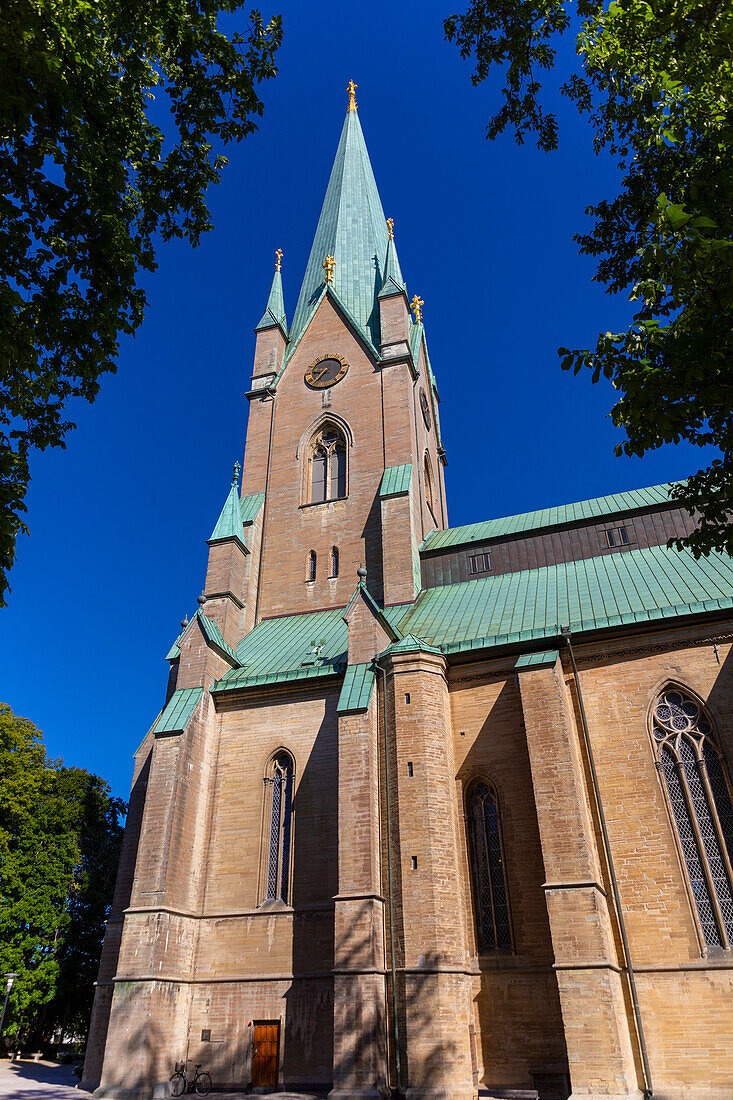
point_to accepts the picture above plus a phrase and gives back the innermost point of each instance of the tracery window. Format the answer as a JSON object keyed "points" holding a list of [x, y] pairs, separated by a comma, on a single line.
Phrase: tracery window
{"points": [[328, 466], [488, 870], [279, 781], [700, 798]]}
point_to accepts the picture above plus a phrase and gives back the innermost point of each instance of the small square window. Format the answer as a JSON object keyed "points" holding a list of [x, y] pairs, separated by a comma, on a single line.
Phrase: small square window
{"points": [[206, 1035], [618, 536], [479, 563]]}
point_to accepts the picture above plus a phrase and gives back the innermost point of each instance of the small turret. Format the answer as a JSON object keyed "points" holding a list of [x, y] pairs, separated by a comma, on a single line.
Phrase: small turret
{"points": [[272, 332], [226, 575], [394, 315]]}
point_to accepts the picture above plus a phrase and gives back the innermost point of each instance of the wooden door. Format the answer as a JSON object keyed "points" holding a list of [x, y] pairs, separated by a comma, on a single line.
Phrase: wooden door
{"points": [[265, 1053]]}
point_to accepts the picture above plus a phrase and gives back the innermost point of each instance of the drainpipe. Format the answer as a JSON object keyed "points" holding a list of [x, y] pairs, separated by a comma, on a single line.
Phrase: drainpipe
{"points": [[390, 892], [648, 1091]]}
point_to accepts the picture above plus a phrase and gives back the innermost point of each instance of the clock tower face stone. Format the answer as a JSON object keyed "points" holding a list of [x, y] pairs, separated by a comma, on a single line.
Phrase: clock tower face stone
{"points": [[326, 371]]}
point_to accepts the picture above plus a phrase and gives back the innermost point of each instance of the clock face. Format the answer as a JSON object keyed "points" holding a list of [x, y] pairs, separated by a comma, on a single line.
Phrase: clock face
{"points": [[326, 371], [425, 408]]}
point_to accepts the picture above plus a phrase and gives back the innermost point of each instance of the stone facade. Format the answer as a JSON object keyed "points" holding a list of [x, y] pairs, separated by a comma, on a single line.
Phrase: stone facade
{"points": [[369, 961]]}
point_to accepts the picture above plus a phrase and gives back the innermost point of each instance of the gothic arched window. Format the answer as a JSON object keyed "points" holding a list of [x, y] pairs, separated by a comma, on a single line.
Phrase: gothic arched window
{"points": [[311, 566], [699, 795], [279, 783], [334, 561], [328, 465], [486, 850]]}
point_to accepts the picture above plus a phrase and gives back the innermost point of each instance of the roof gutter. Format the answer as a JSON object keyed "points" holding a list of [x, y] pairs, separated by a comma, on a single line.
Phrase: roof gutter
{"points": [[648, 1090]]}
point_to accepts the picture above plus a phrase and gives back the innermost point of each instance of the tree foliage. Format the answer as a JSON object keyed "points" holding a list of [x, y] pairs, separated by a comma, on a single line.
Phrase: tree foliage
{"points": [[60, 836], [655, 80], [93, 174]]}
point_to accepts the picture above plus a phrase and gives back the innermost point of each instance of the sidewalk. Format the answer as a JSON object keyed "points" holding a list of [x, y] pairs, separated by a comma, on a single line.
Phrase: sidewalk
{"points": [[27, 1080]]}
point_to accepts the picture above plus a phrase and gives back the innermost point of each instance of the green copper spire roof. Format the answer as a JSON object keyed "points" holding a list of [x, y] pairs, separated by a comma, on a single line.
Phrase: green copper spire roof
{"points": [[353, 230], [275, 309], [229, 524], [393, 282]]}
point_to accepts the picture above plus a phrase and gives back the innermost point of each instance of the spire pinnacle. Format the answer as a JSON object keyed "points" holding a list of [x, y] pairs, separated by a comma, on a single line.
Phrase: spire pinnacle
{"points": [[237, 469], [351, 87], [416, 305], [275, 309]]}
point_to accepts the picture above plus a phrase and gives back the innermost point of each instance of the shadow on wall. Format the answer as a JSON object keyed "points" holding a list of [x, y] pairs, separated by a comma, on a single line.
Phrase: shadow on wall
{"points": [[518, 1012], [99, 1024], [307, 1027]]}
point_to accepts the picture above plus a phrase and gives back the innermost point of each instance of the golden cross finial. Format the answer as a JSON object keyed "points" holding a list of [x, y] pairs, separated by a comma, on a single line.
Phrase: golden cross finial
{"points": [[329, 267], [417, 304], [278, 258], [352, 95], [390, 228]]}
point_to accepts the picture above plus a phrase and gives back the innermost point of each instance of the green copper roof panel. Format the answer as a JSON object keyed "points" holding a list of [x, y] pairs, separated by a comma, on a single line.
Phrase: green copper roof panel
{"points": [[395, 481], [393, 282], [352, 229], [548, 517], [282, 649], [177, 712], [229, 523], [275, 309], [213, 634], [537, 660], [638, 585], [249, 507], [533, 605], [357, 689]]}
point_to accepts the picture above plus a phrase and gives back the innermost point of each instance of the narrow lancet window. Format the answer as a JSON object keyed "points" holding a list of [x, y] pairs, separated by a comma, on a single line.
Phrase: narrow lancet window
{"points": [[312, 566], [280, 782], [491, 904], [700, 799], [334, 561]]}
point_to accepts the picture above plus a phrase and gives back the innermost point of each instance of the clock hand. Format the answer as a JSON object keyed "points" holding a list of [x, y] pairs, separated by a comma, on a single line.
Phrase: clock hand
{"points": [[319, 374]]}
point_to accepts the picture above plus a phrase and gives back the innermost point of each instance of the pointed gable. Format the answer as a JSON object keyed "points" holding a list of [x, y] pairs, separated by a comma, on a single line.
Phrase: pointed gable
{"points": [[353, 230]]}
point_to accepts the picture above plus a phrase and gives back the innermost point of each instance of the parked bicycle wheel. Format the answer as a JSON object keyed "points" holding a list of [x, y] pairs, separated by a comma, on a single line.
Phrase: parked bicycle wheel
{"points": [[178, 1084], [203, 1084]]}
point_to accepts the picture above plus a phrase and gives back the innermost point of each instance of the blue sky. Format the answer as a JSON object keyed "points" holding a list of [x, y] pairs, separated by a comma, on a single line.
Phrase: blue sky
{"points": [[119, 519]]}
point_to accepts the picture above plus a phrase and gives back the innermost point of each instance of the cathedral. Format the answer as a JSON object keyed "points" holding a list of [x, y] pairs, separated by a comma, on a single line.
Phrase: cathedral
{"points": [[428, 811]]}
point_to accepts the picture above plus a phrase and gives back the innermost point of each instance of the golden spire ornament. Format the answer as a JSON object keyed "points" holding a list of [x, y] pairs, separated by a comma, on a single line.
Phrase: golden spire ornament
{"points": [[329, 267], [390, 228], [352, 95], [416, 305], [278, 258]]}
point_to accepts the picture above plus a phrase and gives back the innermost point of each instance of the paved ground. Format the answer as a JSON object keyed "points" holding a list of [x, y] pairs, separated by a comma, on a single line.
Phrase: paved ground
{"points": [[48, 1081], [38, 1081]]}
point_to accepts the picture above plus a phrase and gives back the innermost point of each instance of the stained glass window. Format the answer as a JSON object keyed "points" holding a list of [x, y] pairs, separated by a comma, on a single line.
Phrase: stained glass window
{"points": [[699, 795], [493, 925], [280, 781]]}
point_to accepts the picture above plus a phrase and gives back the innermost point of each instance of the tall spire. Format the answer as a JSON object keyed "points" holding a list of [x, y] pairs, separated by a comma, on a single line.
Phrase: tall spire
{"points": [[275, 309], [352, 230]]}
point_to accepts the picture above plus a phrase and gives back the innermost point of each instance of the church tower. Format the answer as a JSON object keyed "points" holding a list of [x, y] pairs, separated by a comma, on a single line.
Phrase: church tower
{"points": [[343, 436]]}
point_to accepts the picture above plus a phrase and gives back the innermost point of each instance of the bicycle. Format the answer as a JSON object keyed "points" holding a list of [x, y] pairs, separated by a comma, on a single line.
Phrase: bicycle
{"points": [[180, 1082]]}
